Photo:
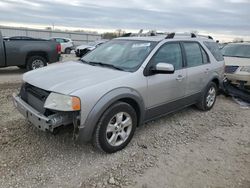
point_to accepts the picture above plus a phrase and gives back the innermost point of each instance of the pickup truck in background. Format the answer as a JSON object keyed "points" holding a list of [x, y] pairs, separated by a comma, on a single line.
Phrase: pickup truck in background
{"points": [[30, 54]]}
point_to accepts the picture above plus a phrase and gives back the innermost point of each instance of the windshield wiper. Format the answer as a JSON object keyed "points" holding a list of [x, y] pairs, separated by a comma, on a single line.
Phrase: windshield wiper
{"points": [[235, 56], [105, 65], [84, 61], [101, 64]]}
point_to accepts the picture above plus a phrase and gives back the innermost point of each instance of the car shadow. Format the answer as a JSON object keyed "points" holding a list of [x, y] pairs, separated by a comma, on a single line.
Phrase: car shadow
{"points": [[12, 70]]}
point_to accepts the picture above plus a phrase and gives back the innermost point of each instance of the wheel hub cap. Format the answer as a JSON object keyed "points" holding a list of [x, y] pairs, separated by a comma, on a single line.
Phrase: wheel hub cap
{"points": [[37, 64], [119, 129], [211, 97]]}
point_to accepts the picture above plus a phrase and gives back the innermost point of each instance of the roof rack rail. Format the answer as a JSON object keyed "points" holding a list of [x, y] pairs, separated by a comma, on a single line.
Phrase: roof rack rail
{"points": [[205, 36], [192, 35], [126, 35]]}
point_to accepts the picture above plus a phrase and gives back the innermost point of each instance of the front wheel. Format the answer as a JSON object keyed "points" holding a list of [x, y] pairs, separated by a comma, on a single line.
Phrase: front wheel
{"points": [[208, 98], [115, 128]]}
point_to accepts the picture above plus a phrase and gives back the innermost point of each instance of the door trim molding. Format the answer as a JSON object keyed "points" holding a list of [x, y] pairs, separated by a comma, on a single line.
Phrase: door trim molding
{"points": [[170, 107]]}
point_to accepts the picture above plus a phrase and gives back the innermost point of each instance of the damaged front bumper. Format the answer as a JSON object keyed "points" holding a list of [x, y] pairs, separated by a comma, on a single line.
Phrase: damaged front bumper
{"points": [[235, 91], [42, 122]]}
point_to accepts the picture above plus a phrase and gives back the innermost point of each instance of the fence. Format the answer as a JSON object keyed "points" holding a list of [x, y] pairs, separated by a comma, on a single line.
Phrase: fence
{"points": [[77, 37]]}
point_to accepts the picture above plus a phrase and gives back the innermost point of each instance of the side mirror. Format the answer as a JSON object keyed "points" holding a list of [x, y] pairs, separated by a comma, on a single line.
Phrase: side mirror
{"points": [[163, 68]]}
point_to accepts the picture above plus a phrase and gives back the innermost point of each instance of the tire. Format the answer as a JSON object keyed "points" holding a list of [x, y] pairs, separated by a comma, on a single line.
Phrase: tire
{"points": [[35, 62], [67, 51], [119, 134], [85, 52], [21, 67], [208, 98]]}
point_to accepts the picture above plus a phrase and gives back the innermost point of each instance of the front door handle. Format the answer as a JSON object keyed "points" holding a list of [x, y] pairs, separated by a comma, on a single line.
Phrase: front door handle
{"points": [[207, 70], [180, 78]]}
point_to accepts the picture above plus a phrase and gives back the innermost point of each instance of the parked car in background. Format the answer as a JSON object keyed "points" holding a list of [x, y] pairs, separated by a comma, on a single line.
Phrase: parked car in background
{"points": [[122, 84], [20, 38], [66, 44], [84, 49], [28, 53], [237, 61], [222, 45]]}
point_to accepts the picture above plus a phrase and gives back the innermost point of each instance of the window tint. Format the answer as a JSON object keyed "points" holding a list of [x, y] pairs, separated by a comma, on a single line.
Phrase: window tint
{"points": [[59, 40], [169, 53], [214, 49], [193, 54], [205, 56]]}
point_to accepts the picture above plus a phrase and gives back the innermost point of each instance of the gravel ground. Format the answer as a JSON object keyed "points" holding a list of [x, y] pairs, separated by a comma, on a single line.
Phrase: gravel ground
{"points": [[186, 149]]}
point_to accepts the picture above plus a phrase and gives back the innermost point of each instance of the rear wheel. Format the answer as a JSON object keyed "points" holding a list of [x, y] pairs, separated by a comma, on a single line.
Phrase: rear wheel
{"points": [[115, 128], [67, 51], [208, 98], [35, 62]]}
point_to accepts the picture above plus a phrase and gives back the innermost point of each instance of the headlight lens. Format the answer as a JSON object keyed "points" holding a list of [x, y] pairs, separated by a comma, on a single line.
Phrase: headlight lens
{"points": [[61, 102], [245, 69]]}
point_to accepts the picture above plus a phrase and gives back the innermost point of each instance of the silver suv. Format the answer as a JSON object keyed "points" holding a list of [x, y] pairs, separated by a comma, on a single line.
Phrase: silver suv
{"points": [[121, 85]]}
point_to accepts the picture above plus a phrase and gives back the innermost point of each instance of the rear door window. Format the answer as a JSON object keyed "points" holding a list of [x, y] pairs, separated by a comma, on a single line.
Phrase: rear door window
{"points": [[204, 56], [193, 54]]}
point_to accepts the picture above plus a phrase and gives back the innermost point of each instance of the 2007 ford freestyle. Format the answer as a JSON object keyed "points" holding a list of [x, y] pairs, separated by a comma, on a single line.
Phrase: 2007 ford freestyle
{"points": [[122, 84]]}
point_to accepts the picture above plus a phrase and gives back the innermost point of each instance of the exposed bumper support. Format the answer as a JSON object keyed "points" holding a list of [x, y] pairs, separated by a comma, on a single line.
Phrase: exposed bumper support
{"points": [[40, 121], [232, 90]]}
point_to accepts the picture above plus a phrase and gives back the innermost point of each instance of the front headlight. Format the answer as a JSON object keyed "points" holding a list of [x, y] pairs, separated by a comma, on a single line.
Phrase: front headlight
{"points": [[56, 101], [245, 69]]}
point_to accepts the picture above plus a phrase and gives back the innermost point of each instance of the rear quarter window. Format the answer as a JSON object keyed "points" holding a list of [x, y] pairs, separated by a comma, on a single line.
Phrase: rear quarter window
{"points": [[214, 49]]}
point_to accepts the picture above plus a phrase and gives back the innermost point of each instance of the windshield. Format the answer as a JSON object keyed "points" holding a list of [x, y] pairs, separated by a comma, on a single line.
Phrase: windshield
{"points": [[236, 50], [127, 55]]}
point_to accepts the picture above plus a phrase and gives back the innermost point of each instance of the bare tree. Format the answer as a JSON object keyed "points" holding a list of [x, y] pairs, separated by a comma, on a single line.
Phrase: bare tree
{"points": [[238, 39]]}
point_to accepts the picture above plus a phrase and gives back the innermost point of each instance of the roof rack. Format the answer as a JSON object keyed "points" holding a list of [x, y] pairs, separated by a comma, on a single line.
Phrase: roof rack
{"points": [[192, 35]]}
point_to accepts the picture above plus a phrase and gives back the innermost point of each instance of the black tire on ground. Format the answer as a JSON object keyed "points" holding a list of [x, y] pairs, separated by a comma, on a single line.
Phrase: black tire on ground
{"points": [[100, 137], [203, 104], [21, 67], [67, 51], [31, 60]]}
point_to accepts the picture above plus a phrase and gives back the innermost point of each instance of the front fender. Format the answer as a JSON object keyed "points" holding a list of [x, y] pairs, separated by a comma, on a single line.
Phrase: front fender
{"points": [[86, 131]]}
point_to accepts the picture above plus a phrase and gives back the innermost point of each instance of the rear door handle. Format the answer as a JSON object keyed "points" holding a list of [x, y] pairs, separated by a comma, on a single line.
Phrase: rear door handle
{"points": [[180, 78]]}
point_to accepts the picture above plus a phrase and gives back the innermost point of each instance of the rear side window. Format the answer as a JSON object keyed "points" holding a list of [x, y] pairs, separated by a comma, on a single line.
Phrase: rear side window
{"points": [[60, 40], [214, 49], [193, 54]]}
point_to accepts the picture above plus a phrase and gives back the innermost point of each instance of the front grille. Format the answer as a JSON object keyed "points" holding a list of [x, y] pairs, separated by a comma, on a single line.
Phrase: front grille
{"points": [[84, 51], [231, 69], [34, 96]]}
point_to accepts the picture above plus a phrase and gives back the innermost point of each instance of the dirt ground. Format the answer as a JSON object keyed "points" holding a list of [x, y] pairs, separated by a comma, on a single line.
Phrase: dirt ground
{"points": [[186, 149]]}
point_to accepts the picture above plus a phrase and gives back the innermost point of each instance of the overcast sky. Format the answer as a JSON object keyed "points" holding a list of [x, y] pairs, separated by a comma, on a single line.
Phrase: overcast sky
{"points": [[225, 17]]}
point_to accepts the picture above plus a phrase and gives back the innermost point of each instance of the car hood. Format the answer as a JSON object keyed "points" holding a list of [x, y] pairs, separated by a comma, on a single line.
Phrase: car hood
{"points": [[237, 61], [71, 76], [83, 47]]}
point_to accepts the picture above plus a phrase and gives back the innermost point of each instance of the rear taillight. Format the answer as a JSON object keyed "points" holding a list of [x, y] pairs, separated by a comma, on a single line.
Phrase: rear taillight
{"points": [[58, 48]]}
